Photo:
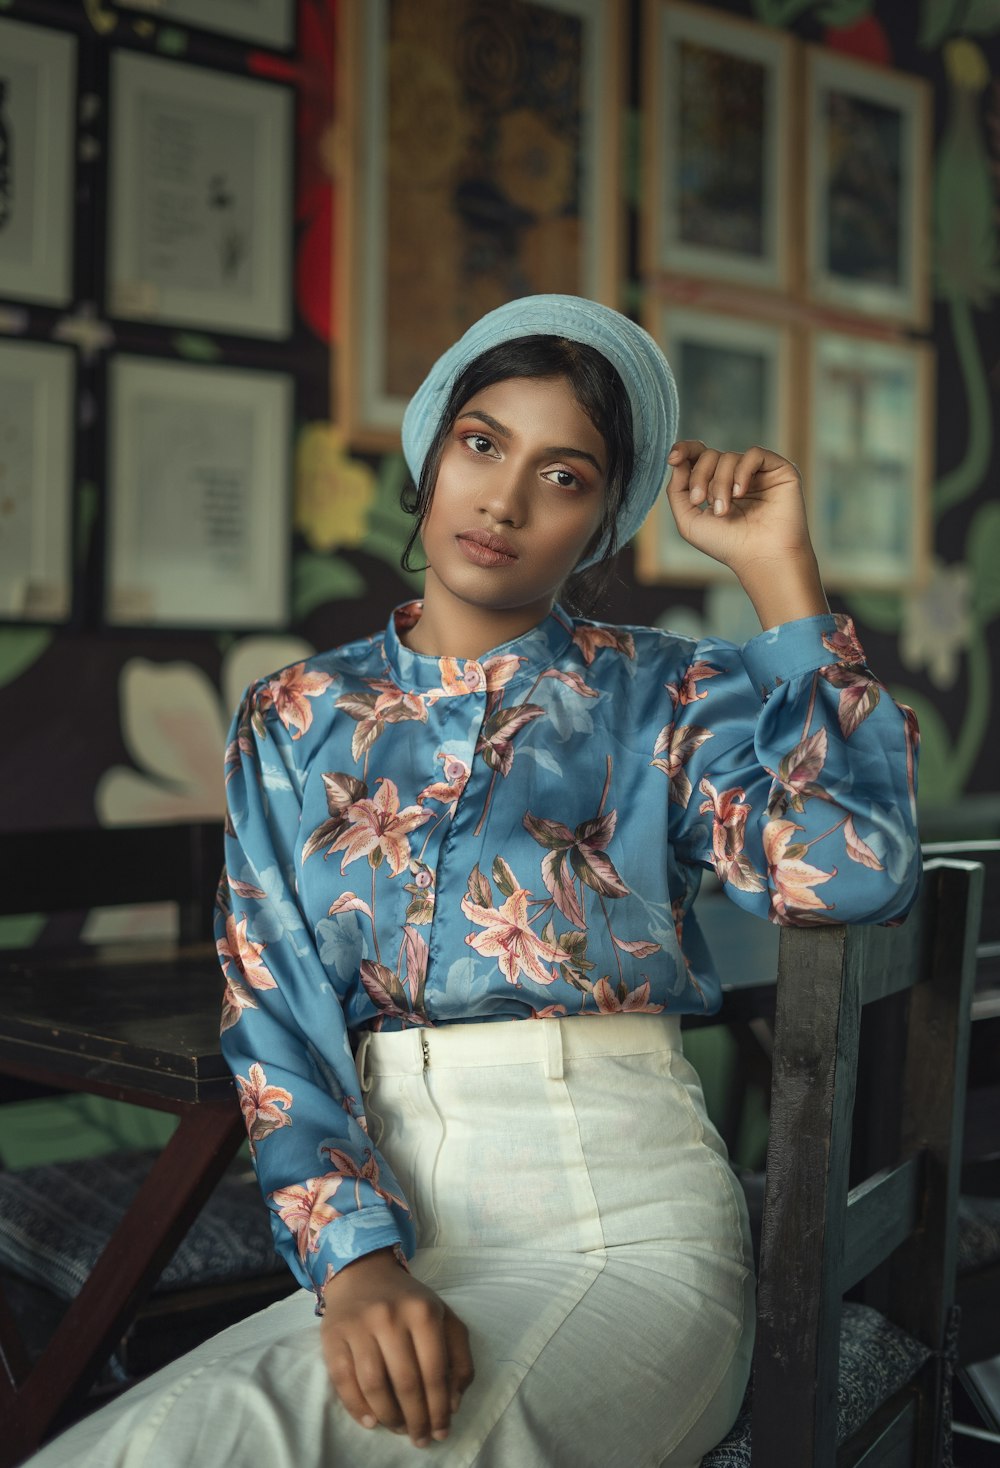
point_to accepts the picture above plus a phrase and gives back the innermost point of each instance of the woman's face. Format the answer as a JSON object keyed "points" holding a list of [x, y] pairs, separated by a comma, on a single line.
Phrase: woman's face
{"points": [[518, 498]]}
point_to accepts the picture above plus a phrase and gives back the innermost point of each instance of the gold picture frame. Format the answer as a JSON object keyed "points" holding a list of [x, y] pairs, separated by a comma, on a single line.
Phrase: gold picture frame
{"points": [[481, 160]]}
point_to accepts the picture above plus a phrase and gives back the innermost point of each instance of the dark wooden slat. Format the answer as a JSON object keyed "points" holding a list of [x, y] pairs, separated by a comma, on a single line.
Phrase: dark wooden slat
{"points": [[887, 1439], [166, 1204], [933, 1081], [881, 1212], [798, 1307], [57, 871]]}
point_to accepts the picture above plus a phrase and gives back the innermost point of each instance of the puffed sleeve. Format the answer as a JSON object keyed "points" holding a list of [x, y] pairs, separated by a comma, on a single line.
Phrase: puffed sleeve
{"points": [[332, 1198], [793, 774]]}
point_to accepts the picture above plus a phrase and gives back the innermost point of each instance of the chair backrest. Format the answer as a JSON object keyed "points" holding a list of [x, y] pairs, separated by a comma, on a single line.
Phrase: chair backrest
{"points": [[819, 1239], [114, 866]]}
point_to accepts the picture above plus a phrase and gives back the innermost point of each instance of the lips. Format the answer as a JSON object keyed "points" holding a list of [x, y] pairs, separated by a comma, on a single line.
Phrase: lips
{"points": [[483, 548]]}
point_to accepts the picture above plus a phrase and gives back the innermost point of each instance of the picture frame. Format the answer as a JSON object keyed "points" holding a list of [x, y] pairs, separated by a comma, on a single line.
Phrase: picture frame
{"points": [[268, 23], [198, 489], [38, 68], [868, 164], [869, 459], [215, 254], [37, 452], [718, 106], [735, 382], [484, 164]]}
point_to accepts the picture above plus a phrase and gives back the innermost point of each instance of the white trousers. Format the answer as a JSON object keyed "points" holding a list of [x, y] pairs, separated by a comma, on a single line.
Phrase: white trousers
{"points": [[575, 1209]]}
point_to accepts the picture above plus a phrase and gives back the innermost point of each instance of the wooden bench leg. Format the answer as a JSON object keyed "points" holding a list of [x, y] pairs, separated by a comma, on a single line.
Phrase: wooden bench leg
{"points": [[162, 1211]]}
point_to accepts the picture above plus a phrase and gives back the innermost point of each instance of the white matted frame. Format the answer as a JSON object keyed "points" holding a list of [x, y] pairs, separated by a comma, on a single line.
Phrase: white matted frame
{"points": [[869, 459], [484, 165], [37, 416], [735, 380], [718, 135], [867, 188], [265, 22], [201, 197], [198, 488], [37, 131]]}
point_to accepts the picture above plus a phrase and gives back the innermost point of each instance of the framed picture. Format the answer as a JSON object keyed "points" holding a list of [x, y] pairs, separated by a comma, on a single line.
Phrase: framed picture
{"points": [[869, 459], [717, 139], [37, 132], [264, 22], [37, 398], [734, 381], [198, 478], [868, 165], [201, 197], [484, 165]]}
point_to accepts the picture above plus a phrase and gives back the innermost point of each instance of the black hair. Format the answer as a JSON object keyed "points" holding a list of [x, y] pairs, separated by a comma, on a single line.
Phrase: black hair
{"points": [[598, 389]]}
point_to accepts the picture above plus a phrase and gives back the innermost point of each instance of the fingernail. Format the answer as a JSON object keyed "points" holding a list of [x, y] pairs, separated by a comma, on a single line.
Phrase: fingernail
{"points": [[421, 1442], [737, 489], [368, 1421], [440, 1433], [719, 507]]}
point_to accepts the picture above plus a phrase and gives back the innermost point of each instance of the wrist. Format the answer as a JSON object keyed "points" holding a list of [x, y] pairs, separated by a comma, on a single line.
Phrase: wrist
{"points": [[378, 1261], [785, 590]]}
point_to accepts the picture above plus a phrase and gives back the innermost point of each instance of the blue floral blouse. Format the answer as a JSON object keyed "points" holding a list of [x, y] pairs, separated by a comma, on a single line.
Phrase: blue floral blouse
{"points": [[416, 840]]}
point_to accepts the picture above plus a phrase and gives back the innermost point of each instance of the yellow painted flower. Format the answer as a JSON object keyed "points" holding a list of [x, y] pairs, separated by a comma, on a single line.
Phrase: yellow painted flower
{"points": [[333, 493], [966, 65]]}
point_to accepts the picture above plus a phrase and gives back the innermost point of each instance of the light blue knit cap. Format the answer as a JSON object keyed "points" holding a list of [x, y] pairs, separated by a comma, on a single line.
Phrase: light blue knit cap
{"points": [[643, 369]]}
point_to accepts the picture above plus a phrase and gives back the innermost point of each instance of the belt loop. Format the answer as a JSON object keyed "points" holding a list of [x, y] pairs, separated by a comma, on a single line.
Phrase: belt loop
{"points": [[361, 1062], [552, 1031]]}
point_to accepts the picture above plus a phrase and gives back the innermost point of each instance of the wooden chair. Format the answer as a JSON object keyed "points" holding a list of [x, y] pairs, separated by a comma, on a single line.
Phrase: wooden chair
{"points": [[889, 1240], [69, 871], [978, 1289]]}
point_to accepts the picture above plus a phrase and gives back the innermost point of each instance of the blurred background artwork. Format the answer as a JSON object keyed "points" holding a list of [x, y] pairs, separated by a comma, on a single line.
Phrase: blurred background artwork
{"points": [[272, 214]]}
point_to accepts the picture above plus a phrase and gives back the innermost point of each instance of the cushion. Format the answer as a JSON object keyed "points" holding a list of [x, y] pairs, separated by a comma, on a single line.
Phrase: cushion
{"points": [[978, 1233], [56, 1219], [876, 1359]]}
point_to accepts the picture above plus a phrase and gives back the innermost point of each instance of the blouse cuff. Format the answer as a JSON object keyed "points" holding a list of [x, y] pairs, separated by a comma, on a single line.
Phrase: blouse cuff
{"points": [[796, 649], [349, 1238]]}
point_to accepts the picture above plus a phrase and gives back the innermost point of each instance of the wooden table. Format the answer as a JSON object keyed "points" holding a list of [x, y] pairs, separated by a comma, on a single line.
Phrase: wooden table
{"points": [[137, 1023]]}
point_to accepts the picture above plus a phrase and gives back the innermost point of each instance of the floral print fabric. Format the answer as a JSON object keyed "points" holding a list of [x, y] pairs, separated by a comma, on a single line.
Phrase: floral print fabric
{"points": [[418, 841]]}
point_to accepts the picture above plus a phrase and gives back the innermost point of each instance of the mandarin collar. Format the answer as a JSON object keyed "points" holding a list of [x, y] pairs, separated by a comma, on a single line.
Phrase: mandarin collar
{"points": [[536, 650]]}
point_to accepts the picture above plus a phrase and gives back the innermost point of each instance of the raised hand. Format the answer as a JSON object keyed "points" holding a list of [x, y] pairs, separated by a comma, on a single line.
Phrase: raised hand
{"points": [[396, 1353], [747, 511]]}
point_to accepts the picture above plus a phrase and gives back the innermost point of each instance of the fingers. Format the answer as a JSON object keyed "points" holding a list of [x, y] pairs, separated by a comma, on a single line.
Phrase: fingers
{"points": [[406, 1370], [460, 1368], [712, 480]]}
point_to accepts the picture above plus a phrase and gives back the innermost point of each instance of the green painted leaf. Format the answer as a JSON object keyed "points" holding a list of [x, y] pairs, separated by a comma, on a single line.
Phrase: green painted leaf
{"points": [[882, 610], [843, 12], [982, 551], [319, 579], [172, 41], [937, 769], [86, 518], [196, 347], [388, 523], [937, 19], [20, 929], [19, 648], [940, 19]]}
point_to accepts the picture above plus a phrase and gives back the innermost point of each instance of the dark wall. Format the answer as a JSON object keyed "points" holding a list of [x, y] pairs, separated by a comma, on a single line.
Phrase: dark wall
{"points": [[108, 726]]}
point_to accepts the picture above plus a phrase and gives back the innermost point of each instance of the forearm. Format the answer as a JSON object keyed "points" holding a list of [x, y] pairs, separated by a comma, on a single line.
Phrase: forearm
{"points": [[785, 590]]}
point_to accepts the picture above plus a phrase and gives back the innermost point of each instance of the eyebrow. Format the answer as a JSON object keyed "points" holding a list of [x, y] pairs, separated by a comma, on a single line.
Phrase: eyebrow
{"points": [[564, 451]]}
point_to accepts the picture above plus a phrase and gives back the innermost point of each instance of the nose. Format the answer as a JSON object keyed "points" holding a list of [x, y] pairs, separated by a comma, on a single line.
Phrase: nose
{"points": [[505, 495]]}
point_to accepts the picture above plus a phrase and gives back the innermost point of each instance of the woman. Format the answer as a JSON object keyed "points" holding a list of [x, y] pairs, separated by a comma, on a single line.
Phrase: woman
{"points": [[523, 1239]]}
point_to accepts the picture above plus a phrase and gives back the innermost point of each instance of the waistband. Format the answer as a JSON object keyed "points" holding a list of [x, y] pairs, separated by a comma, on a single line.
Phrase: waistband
{"points": [[548, 1042]]}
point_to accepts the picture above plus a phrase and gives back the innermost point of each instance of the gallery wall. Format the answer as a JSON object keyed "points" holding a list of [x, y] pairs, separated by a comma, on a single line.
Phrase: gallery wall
{"points": [[110, 721]]}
